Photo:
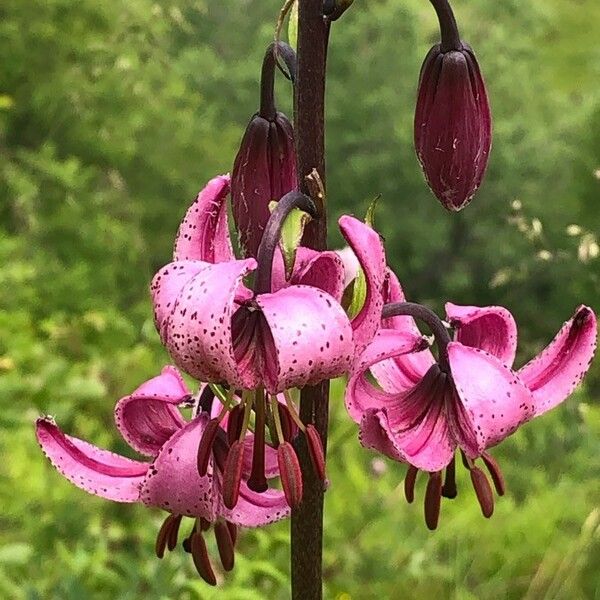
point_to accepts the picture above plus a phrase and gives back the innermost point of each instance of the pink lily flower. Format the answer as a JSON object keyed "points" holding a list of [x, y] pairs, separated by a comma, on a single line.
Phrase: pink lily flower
{"points": [[285, 333], [470, 398], [149, 420]]}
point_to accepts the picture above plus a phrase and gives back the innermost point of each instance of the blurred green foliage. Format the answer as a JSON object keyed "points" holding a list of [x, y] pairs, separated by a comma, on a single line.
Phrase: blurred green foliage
{"points": [[114, 114]]}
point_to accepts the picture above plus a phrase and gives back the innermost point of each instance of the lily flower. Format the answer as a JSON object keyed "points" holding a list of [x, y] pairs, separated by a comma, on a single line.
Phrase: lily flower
{"points": [[149, 420], [265, 166], [470, 398], [282, 334]]}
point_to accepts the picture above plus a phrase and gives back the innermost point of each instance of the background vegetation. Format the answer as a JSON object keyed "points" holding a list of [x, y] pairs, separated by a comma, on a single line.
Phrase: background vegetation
{"points": [[114, 113]]}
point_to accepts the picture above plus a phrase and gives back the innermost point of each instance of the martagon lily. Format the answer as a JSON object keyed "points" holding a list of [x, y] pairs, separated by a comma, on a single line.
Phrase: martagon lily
{"points": [[282, 334], [422, 410], [150, 421]]}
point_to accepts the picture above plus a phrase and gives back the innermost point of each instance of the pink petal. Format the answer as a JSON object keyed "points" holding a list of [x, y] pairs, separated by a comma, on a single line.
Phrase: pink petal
{"points": [[199, 332], [149, 417], [166, 287], [173, 482], [351, 265], [204, 232], [558, 369], [362, 395], [254, 509], [92, 469], [428, 446], [491, 401], [366, 244], [310, 338], [491, 328]]}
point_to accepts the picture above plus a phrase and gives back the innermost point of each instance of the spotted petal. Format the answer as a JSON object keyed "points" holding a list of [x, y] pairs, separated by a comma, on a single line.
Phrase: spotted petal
{"points": [[92, 469], [204, 232], [491, 328], [557, 370], [173, 482], [491, 400], [149, 417], [310, 338], [368, 248]]}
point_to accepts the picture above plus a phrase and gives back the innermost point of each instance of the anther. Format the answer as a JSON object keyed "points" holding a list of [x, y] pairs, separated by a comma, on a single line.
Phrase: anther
{"points": [[173, 532], [257, 480], [233, 530], [163, 536], [483, 491], [201, 560], [449, 488], [409, 483], [205, 446], [290, 473], [235, 422], [433, 499], [496, 474], [315, 449], [287, 423], [232, 474], [224, 545]]}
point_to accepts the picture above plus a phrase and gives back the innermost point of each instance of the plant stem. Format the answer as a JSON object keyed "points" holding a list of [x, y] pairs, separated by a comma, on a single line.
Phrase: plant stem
{"points": [[307, 519]]}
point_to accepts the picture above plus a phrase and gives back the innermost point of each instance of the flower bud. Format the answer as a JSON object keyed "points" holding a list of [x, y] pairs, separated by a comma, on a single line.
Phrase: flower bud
{"points": [[452, 118], [265, 166]]}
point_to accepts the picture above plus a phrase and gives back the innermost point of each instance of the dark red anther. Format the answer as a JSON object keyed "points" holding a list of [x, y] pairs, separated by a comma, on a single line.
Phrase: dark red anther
{"points": [[315, 449], [494, 469], [290, 473], [449, 488], [232, 474], [163, 536], [205, 446], [203, 524], [225, 545], [201, 560], [409, 483], [187, 542], [483, 490], [235, 421], [433, 500], [173, 532], [288, 427], [257, 480], [233, 531]]}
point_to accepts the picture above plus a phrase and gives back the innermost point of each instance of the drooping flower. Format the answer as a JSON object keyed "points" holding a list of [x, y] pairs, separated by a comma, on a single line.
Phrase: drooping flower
{"points": [[150, 421], [265, 166], [453, 125], [423, 410], [285, 333]]}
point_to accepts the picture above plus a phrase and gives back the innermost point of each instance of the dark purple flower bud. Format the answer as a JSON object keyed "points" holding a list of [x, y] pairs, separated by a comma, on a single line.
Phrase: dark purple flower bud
{"points": [[265, 166], [453, 126]]}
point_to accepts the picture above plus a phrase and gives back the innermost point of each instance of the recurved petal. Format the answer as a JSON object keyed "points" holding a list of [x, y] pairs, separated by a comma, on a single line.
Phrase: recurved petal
{"points": [[306, 337], [367, 245], [427, 446], [149, 417], [491, 400], [92, 469], [491, 328], [255, 509], [173, 483], [204, 231], [554, 373], [166, 287], [325, 271], [199, 331], [361, 394]]}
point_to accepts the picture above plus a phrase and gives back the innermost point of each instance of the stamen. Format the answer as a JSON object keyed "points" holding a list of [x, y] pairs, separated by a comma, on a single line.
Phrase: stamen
{"points": [[202, 524], [206, 445], [289, 402], [257, 480], [290, 473], [224, 545], [173, 533], [449, 488], [163, 535], [277, 420], [494, 469], [287, 423], [201, 560], [409, 483], [433, 500], [248, 402], [233, 530], [315, 449], [232, 474], [483, 491], [234, 423]]}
